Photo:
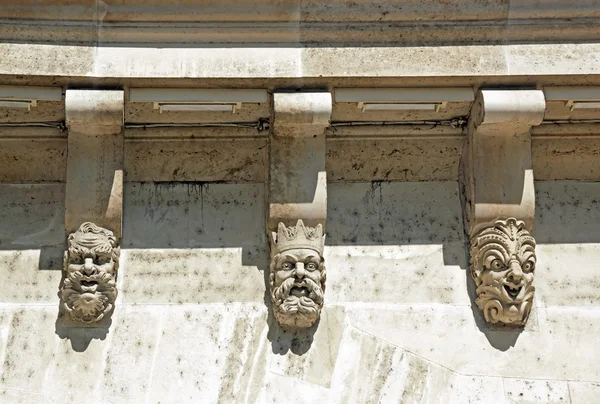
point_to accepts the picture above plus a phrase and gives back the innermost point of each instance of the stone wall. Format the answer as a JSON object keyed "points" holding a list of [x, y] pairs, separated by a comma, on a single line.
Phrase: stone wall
{"points": [[193, 321]]}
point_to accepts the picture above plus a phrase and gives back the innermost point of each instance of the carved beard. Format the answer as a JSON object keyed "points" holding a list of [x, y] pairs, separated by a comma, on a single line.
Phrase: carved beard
{"points": [[88, 302], [297, 311]]}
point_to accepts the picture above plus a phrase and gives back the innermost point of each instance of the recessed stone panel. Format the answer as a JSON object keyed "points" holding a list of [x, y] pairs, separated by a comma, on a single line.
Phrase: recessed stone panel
{"points": [[32, 155], [203, 159], [389, 159]]}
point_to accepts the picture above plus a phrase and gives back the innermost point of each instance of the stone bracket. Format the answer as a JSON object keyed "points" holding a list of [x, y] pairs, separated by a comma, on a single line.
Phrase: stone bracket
{"points": [[94, 188], [297, 177], [497, 169]]}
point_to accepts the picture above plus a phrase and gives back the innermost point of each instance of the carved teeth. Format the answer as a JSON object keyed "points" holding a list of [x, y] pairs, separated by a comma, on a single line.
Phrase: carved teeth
{"points": [[512, 290]]}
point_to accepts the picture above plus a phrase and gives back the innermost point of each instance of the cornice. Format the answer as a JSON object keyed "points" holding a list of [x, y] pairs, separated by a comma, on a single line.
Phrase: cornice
{"points": [[340, 33]]}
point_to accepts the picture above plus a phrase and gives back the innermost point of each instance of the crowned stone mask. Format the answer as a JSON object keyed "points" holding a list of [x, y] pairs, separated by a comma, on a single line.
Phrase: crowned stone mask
{"points": [[297, 275], [91, 263], [502, 265]]}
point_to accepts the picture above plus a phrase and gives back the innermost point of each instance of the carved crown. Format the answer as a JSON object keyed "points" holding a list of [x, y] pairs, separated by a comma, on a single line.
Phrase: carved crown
{"points": [[299, 236]]}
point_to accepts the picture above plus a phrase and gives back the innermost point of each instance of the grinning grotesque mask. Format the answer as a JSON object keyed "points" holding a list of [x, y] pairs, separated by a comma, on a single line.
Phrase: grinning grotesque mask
{"points": [[297, 275], [502, 265], [91, 263]]}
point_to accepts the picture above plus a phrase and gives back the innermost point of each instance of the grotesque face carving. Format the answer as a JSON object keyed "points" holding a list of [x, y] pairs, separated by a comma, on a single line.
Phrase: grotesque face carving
{"points": [[91, 263], [502, 265], [297, 278]]}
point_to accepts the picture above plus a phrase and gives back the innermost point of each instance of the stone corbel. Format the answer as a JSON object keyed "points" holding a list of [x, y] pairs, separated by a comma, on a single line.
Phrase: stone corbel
{"points": [[298, 206], [499, 201], [94, 205]]}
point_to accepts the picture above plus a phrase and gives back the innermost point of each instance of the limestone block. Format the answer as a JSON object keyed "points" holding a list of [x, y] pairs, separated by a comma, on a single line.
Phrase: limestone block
{"points": [[393, 153], [456, 338], [195, 154], [94, 112], [44, 111], [95, 159], [206, 237], [144, 112], [297, 181], [572, 207], [344, 111], [536, 391], [422, 248], [31, 241], [194, 216], [566, 158], [32, 155], [582, 392]]}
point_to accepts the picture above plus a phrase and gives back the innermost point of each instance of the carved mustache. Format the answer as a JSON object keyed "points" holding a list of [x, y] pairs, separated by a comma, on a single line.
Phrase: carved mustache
{"points": [[285, 302]]}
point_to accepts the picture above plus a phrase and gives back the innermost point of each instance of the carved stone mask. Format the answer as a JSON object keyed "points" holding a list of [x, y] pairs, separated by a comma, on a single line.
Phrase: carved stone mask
{"points": [[502, 265], [297, 275], [91, 263]]}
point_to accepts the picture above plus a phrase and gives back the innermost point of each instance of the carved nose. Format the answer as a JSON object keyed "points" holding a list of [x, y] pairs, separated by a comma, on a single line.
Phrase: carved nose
{"points": [[516, 273], [300, 270], [88, 266]]}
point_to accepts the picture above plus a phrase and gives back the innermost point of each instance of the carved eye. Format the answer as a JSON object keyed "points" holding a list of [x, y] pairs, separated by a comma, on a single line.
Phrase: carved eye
{"points": [[102, 259], [287, 265], [528, 266], [311, 266], [497, 265]]}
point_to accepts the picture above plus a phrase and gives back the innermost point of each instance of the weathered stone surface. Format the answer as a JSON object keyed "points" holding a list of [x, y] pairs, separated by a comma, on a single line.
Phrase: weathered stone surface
{"points": [[382, 61], [32, 155], [208, 237], [31, 242], [369, 242], [195, 154], [393, 154], [297, 179], [44, 111], [536, 391], [566, 158], [144, 112]]}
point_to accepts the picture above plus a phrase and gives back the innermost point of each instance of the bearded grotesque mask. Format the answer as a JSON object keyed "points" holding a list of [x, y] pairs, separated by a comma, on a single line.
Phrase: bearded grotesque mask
{"points": [[91, 263], [297, 275], [502, 265]]}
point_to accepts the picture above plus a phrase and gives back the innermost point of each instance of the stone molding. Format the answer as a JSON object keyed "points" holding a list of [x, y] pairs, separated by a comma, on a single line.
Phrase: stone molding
{"points": [[266, 21]]}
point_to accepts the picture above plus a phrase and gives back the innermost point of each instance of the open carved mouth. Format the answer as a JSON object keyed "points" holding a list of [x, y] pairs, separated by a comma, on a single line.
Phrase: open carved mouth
{"points": [[512, 291], [300, 290], [89, 286]]}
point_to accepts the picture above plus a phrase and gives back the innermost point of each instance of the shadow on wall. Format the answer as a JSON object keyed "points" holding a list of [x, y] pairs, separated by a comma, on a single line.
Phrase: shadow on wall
{"points": [[397, 213], [32, 217], [196, 215], [567, 212]]}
